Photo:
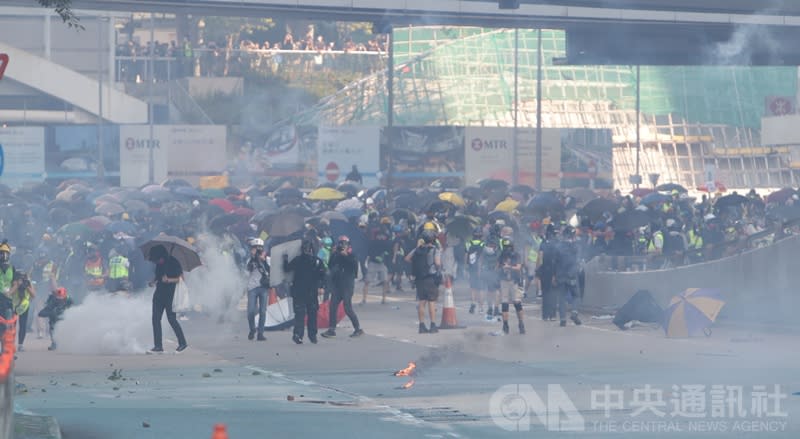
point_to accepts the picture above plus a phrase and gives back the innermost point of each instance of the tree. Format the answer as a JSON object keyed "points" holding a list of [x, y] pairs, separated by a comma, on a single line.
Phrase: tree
{"points": [[64, 10]]}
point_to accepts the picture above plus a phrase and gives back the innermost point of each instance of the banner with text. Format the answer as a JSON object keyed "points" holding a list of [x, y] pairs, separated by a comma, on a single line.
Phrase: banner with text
{"points": [[181, 151], [22, 155], [341, 148], [489, 153]]}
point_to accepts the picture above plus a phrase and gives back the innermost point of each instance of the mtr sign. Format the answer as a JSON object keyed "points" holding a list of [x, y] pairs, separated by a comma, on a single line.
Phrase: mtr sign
{"points": [[3, 64]]}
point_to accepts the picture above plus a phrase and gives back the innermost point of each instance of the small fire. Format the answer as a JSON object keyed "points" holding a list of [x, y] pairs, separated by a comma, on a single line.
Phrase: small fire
{"points": [[408, 384], [407, 371]]}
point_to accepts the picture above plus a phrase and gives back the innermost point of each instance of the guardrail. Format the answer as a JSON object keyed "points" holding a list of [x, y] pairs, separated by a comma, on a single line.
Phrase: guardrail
{"points": [[220, 63], [7, 389]]}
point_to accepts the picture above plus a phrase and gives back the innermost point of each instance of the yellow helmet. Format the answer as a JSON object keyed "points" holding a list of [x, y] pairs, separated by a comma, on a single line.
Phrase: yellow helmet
{"points": [[429, 226], [4, 247]]}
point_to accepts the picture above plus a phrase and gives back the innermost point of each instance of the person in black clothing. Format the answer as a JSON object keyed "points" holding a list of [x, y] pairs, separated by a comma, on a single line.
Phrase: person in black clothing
{"points": [[566, 277], [343, 267], [308, 283], [545, 271], [354, 176], [168, 274]]}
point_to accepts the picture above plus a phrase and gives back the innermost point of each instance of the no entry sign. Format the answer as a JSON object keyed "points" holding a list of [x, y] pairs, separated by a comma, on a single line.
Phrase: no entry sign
{"points": [[3, 64]]}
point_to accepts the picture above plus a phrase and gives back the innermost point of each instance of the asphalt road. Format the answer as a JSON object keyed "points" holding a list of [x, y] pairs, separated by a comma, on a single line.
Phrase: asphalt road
{"points": [[470, 383]]}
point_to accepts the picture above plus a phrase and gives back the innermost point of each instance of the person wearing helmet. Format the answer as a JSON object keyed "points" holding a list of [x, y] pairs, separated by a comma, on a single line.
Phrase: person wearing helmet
{"points": [[53, 311], [307, 284], [257, 286], [509, 266], [472, 260], [489, 277], [545, 270], [396, 264], [565, 278], [379, 251], [94, 268], [324, 253], [6, 270], [426, 266], [343, 271]]}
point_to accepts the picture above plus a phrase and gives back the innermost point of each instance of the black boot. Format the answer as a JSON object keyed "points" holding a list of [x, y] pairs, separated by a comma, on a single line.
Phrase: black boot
{"points": [[505, 328], [423, 329]]}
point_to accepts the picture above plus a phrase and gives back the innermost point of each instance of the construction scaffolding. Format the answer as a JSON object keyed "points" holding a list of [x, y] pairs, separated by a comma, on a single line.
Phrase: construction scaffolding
{"points": [[692, 118]]}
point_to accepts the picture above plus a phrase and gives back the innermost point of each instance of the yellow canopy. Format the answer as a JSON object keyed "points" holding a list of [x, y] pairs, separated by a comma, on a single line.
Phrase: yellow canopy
{"points": [[453, 198], [326, 194], [507, 205]]}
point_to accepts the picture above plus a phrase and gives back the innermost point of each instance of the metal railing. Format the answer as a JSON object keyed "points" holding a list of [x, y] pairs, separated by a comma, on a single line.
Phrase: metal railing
{"points": [[292, 64]]}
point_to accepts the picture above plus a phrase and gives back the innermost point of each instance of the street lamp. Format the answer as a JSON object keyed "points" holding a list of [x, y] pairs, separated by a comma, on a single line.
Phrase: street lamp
{"points": [[100, 140]]}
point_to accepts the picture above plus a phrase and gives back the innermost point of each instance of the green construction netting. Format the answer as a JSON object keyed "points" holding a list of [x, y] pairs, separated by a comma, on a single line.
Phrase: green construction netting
{"points": [[465, 76]]}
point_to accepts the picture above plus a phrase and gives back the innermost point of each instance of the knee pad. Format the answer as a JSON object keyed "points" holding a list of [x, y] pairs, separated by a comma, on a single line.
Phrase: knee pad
{"points": [[504, 307], [518, 306]]}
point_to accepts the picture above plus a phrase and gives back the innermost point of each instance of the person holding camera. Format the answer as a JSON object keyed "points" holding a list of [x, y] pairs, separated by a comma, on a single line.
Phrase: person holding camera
{"points": [[343, 271], [426, 265], [509, 266], [257, 286], [22, 292]]}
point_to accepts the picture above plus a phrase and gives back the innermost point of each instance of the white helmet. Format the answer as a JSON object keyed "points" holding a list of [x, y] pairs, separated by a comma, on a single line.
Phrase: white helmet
{"points": [[256, 242]]}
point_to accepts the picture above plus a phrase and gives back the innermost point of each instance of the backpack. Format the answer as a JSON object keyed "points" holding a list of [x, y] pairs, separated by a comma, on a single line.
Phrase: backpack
{"points": [[473, 251], [423, 263]]}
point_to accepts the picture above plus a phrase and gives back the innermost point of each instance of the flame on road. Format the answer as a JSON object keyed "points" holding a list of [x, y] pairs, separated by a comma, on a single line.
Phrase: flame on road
{"points": [[407, 371]]}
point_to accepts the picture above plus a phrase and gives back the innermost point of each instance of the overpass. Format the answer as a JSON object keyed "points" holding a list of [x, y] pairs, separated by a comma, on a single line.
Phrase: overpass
{"points": [[531, 14]]}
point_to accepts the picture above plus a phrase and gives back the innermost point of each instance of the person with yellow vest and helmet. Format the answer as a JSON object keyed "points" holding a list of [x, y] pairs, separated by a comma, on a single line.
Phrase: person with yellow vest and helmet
{"points": [[118, 271], [22, 292], [93, 268], [695, 245], [45, 274], [6, 270]]}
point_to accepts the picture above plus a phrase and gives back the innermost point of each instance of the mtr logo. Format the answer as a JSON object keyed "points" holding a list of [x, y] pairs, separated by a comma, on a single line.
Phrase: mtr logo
{"points": [[131, 143], [496, 144]]}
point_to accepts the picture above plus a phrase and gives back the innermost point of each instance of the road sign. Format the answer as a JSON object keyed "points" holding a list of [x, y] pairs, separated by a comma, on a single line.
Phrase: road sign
{"points": [[3, 63], [332, 171]]}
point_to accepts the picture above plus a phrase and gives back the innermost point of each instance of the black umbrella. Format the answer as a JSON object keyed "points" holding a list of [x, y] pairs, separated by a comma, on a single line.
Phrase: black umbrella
{"points": [[60, 216], [222, 222], [288, 193], [543, 203], [492, 184], [669, 187], [472, 192], [184, 252], [523, 189], [595, 209], [328, 184], [402, 213], [437, 206], [358, 240], [630, 220], [731, 200], [496, 215], [175, 183], [406, 201], [786, 213], [284, 224], [296, 210], [349, 188], [461, 226]]}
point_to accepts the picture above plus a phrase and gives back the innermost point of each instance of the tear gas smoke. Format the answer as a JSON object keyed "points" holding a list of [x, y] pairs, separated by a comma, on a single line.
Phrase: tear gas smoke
{"points": [[105, 324], [218, 284]]}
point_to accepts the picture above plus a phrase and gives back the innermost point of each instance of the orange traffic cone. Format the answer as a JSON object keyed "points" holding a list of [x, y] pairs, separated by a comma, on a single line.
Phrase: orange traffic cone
{"points": [[220, 432], [273, 298], [449, 309]]}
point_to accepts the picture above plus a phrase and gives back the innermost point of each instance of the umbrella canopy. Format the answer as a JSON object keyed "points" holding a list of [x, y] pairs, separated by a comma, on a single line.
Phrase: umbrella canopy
{"points": [[581, 194], [331, 215], [692, 312], [400, 214], [110, 209], [328, 184], [125, 227], [640, 192], [630, 220], [781, 196], [472, 192], [60, 215], [74, 229], [349, 188], [325, 194], [669, 187], [452, 198], [175, 183], [244, 212], [508, 205], [461, 226], [655, 198], [284, 224], [136, 206], [523, 189], [496, 215], [730, 200], [352, 213], [491, 184], [188, 192], [222, 222], [350, 203], [595, 209], [106, 198], [223, 204], [213, 193], [288, 193], [96, 223], [406, 200], [153, 188], [718, 187], [786, 213], [546, 202], [184, 252]]}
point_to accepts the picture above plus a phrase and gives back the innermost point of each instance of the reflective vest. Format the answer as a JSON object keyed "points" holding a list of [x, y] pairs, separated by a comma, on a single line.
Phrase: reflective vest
{"points": [[6, 278], [533, 252], [651, 248], [21, 305], [48, 272], [118, 267], [94, 269], [695, 240]]}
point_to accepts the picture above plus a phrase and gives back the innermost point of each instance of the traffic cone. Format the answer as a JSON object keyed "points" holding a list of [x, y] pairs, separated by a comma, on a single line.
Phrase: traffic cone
{"points": [[449, 309], [273, 298], [220, 432]]}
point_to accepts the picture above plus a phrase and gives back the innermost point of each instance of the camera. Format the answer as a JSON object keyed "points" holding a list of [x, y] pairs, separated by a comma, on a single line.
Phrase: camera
{"points": [[341, 247]]}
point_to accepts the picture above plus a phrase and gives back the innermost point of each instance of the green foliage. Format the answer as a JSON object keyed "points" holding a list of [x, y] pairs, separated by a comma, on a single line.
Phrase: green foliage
{"points": [[218, 29], [64, 10]]}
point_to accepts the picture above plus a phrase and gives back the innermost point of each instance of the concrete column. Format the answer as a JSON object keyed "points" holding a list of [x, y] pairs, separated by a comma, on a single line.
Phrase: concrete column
{"points": [[47, 37]]}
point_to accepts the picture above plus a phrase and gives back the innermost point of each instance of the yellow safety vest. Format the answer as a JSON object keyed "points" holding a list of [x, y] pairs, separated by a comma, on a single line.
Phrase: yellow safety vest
{"points": [[6, 278], [117, 267], [21, 305], [94, 269], [695, 240], [652, 247]]}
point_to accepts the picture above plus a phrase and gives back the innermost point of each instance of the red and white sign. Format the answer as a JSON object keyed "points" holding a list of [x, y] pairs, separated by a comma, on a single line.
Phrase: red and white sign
{"points": [[3, 64], [779, 105], [332, 171], [340, 148]]}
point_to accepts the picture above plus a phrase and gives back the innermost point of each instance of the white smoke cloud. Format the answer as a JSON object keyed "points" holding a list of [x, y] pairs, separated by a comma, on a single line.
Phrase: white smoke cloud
{"points": [[105, 324]]}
